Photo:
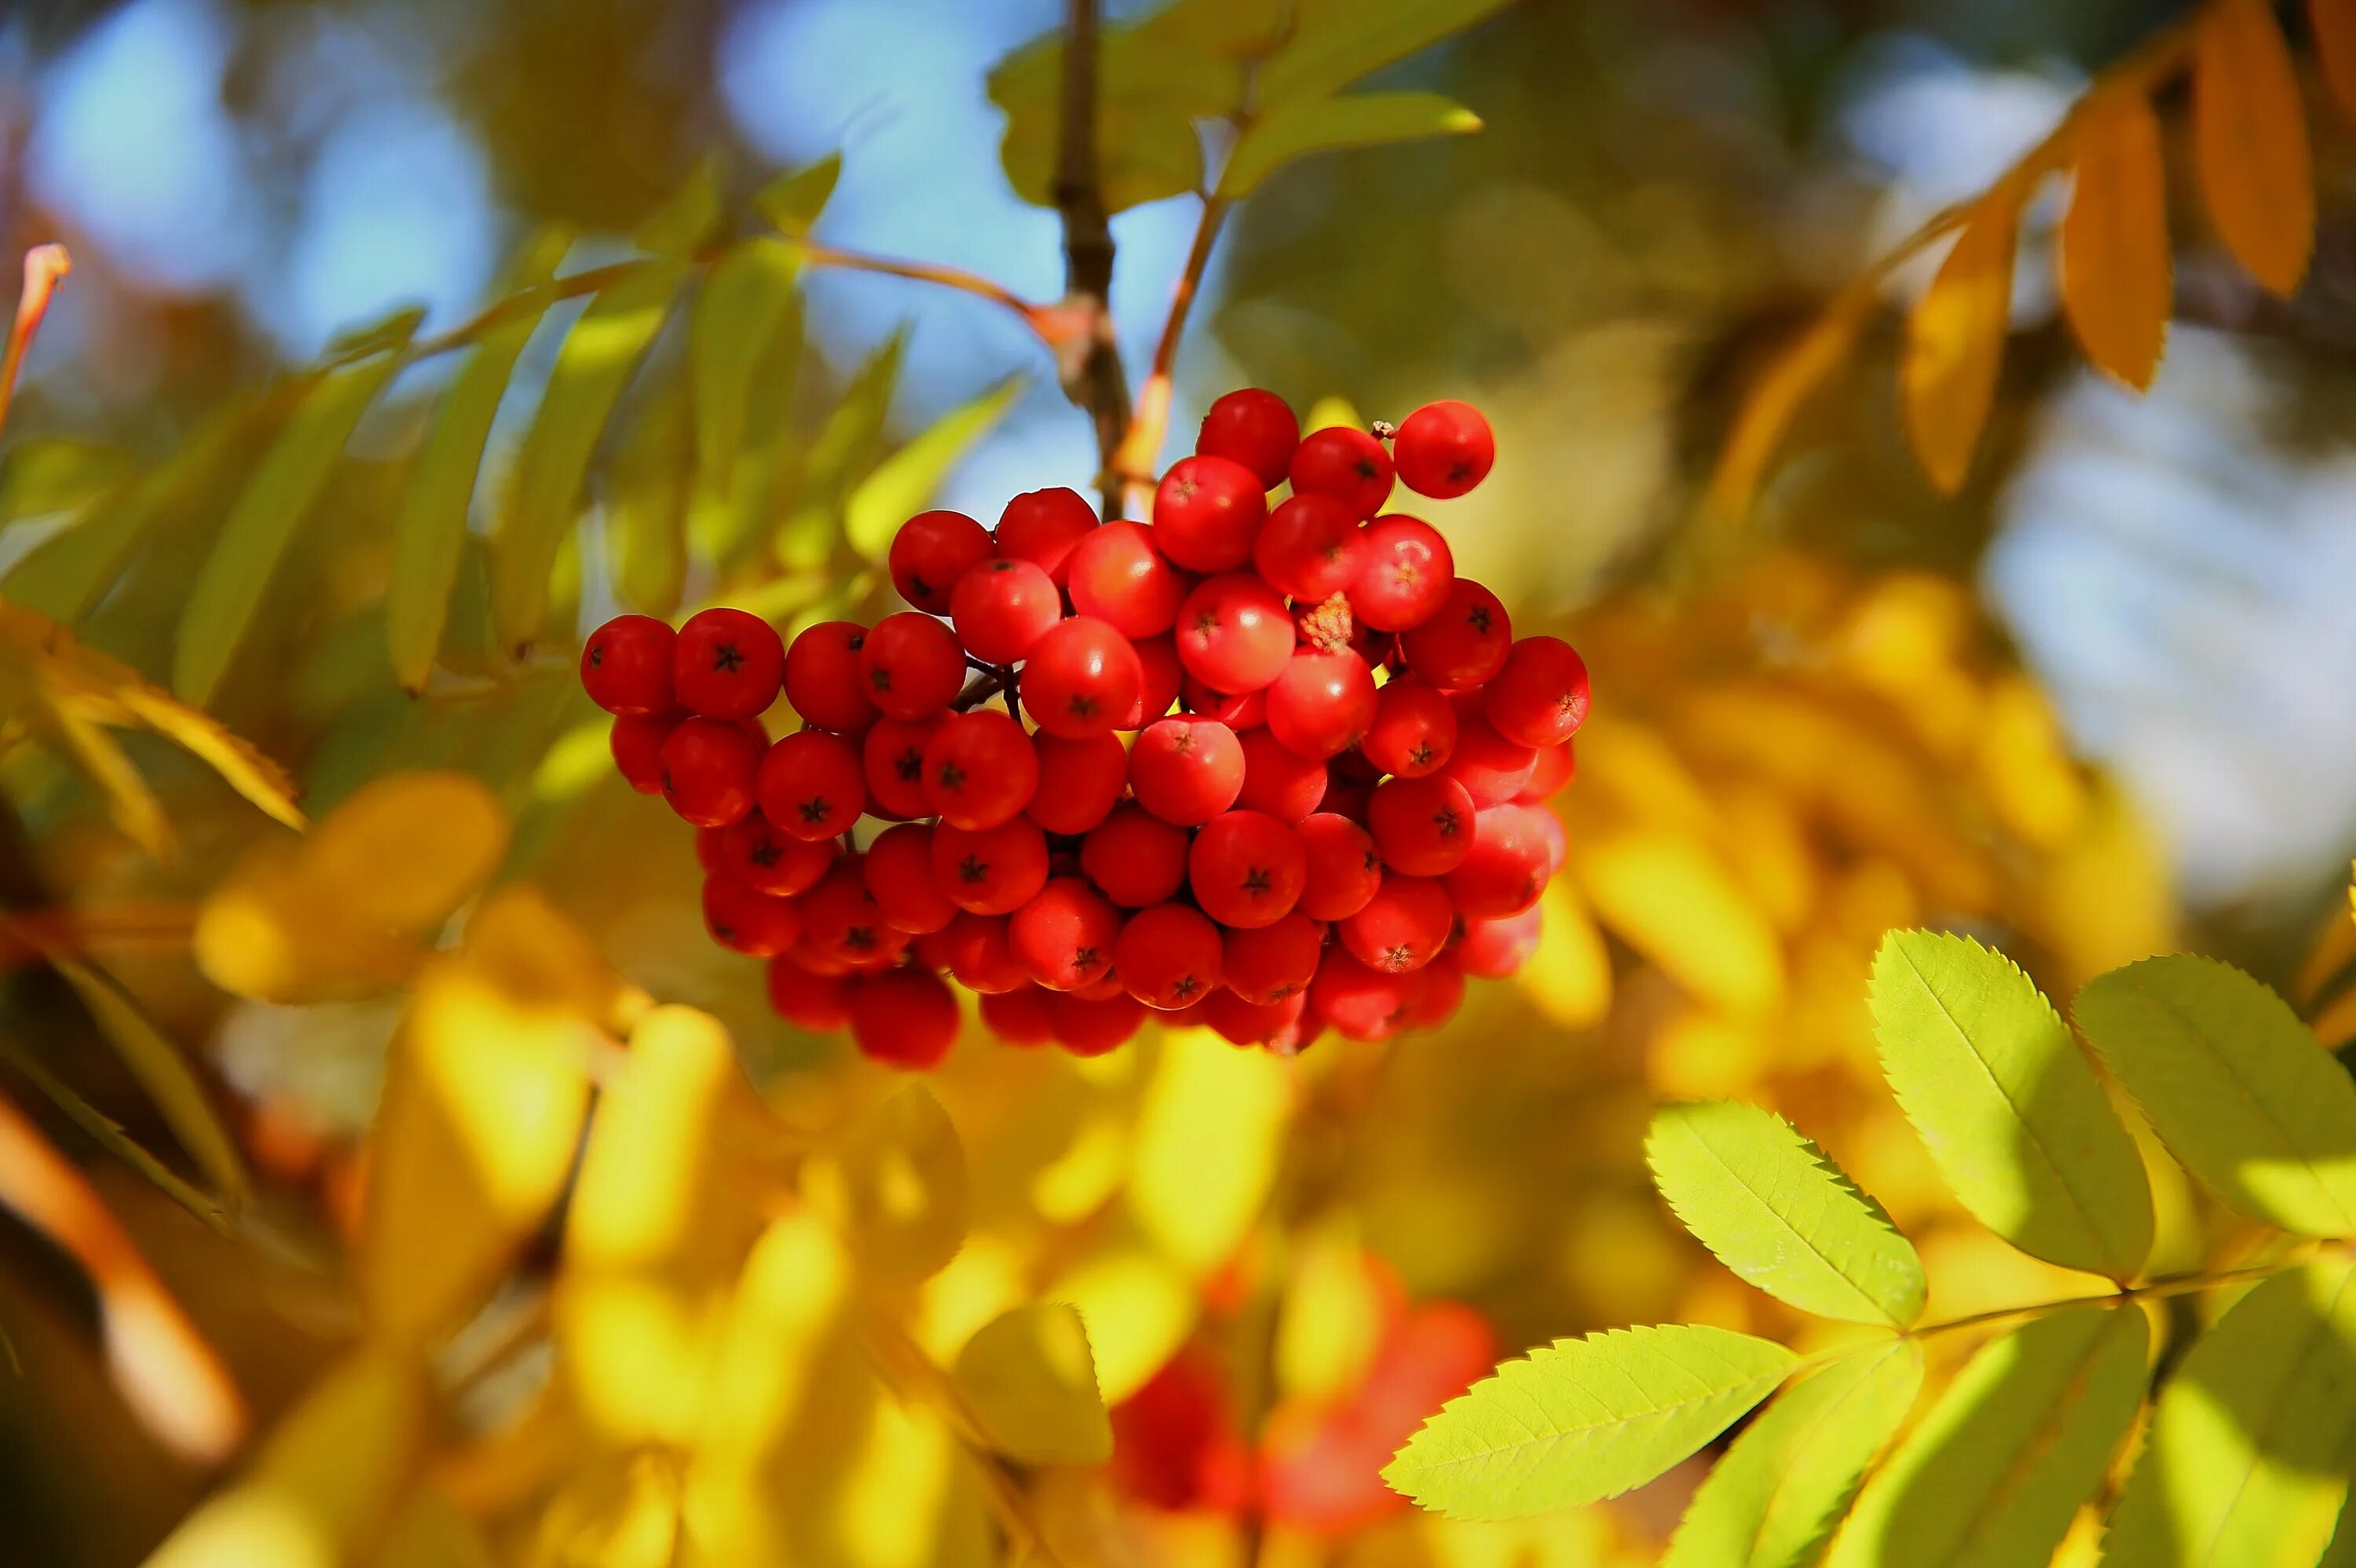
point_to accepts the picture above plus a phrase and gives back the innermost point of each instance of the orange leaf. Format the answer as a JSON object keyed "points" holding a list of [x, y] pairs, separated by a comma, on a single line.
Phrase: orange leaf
{"points": [[1771, 406], [2116, 273], [1954, 342], [2249, 142], [2333, 23]]}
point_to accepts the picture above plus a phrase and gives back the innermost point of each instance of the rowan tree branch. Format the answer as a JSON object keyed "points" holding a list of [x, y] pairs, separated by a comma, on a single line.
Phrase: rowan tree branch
{"points": [[1090, 360]]}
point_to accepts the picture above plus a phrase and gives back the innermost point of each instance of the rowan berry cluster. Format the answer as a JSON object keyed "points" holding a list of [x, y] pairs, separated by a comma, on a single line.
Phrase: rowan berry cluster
{"points": [[1327, 812]]}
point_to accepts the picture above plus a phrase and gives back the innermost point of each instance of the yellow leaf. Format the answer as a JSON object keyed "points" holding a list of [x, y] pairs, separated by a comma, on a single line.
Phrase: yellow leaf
{"points": [[897, 1187], [408, 849], [1954, 342], [1333, 1314], [1668, 898], [2333, 23], [1030, 1383], [1138, 1310], [431, 1531], [1569, 975], [1774, 402], [1208, 1138], [2249, 142], [2116, 282]]}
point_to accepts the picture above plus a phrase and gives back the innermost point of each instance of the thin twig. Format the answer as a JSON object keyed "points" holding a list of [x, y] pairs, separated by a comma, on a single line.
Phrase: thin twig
{"points": [[1134, 462], [1090, 359]]}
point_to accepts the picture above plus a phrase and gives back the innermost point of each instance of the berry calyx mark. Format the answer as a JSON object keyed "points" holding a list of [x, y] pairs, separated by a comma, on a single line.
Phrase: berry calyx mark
{"points": [[1256, 881], [1281, 992], [909, 766], [860, 938], [598, 657], [1397, 957], [1445, 819], [766, 853], [1462, 472], [1370, 862], [727, 658], [1182, 742], [1081, 706], [952, 777], [973, 869], [1085, 959], [881, 678], [1422, 754], [1184, 987], [1479, 619], [1366, 469], [817, 808]]}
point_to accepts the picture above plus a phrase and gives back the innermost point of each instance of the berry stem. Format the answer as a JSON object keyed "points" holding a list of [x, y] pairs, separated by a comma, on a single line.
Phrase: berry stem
{"points": [[45, 265], [995, 680], [1089, 361]]}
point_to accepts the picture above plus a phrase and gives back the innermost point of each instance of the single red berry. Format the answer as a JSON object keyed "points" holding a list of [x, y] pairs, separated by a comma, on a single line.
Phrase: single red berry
{"points": [[1404, 574], [1163, 675], [1234, 632], [1119, 575], [979, 769], [626, 664], [1493, 949], [1018, 1017], [1509, 865], [973, 948], [1090, 1026], [708, 767], [823, 681], [907, 1018], [1247, 869], [1186, 770], [1555, 767], [726, 664], [1361, 1003], [1321, 704], [1207, 512], [756, 853], [1463, 642], [1079, 781], [1134, 858], [930, 552], [1278, 779], [841, 922], [1081, 678], [1254, 427], [1001, 607], [912, 665], [1064, 935], [1239, 1022], [1438, 992], [1239, 713], [818, 1003], [1414, 728], [1343, 869], [636, 744], [1406, 921], [891, 756], [1550, 829], [1104, 986], [1268, 963], [1168, 956], [812, 786], [1539, 696], [1421, 827], [744, 920], [1492, 769], [1348, 464], [991, 870], [707, 852], [1043, 527], [1443, 449], [1311, 548], [900, 878]]}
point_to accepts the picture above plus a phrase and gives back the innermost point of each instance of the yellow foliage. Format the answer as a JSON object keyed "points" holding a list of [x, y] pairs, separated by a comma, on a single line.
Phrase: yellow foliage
{"points": [[1030, 1383], [1206, 1144]]}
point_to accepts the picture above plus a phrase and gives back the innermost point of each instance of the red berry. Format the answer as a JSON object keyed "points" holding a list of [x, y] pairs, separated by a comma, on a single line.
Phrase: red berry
{"points": [[818, 1003], [1493, 949], [930, 552], [1343, 869], [1081, 678], [1268, 963], [1168, 956], [708, 770], [752, 850], [1001, 607], [1406, 922], [1550, 829], [1079, 781], [1414, 728], [1438, 991], [1321, 704], [1509, 865], [1443, 449], [992, 871], [907, 1018], [1404, 574], [1157, 660], [973, 948], [707, 853], [1492, 769], [1539, 696], [1421, 827], [1119, 575], [1234, 632], [1018, 1017], [1348, 464], [1360, 1003], [900, 879], [1206, 513], [1254, 427], [1090, 1026], [912, 665], [636, 744], [1043, 527], [891, 756], [1309, 549], [1104, 986], [1064, 935], [812, 785], [1278, 779], [1247, 869], [806, 954], [841, 922], [1134, 858], [726, 664], [744, 920], [1555, 767], [1186, 770], [823, 680], [979, 769], [1239, 1022], [1465, 642], [1249, 712], [626, 664]]}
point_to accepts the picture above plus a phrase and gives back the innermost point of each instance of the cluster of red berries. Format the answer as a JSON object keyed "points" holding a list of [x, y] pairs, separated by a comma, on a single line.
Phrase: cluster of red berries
{"points": [[1341, 820]]}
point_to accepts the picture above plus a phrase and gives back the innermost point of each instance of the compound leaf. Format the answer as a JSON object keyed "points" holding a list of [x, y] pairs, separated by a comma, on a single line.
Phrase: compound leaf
{"points": [[1363, 120], [1031, 1382], [744, 304], [1335, 42], [2249, 142], [2116, 286], [1954, 342]]}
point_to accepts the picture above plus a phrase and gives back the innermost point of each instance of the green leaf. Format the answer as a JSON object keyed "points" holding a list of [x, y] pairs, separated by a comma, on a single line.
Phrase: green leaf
{"points": [[1029, 1379], [1582, 1420], [2239, 1089], [793, 201], [2247, 1459], [1325, 124], [599, 355], [1336, 42], [1781, 1215], [38, 478], [432, 525], [903, 483], [744, 304], [1773, 1501], [843, 454], [109, 1134], [162, 1073], [645, 521], [229, 585], [685, 220], [1992, 1476], [2010, 1109]]}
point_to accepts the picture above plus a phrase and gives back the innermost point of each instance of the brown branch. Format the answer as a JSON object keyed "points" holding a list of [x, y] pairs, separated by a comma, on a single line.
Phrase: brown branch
{"points": [[1090, 360], [1134, 462]]}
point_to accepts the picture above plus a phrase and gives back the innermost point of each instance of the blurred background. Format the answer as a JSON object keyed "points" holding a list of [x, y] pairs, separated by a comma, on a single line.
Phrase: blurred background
{"points": [[2095, 707]]}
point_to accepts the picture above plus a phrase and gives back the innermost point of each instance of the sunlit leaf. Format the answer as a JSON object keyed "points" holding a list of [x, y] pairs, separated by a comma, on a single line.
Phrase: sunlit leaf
{"points": [[2249, 142], [844, 453], [1029, 1379], [1582, 1420], [58, 473], [904, 484], [408, 849], [897, 1186], [432, 1531], [164, 1075], [1954, 342], [1774, 402], [2011, 1112], [2235, 1085], [110, 1135], [1327, 125], [1332, 43], [745, 302], [2332, 24], [1207, 1141], [1775, 1497], [647, 509], [2118, 286], [793, 200], [1138, 1310], [1669, 897], [1779, 1214], [1992, 1476], [686, 218]]}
